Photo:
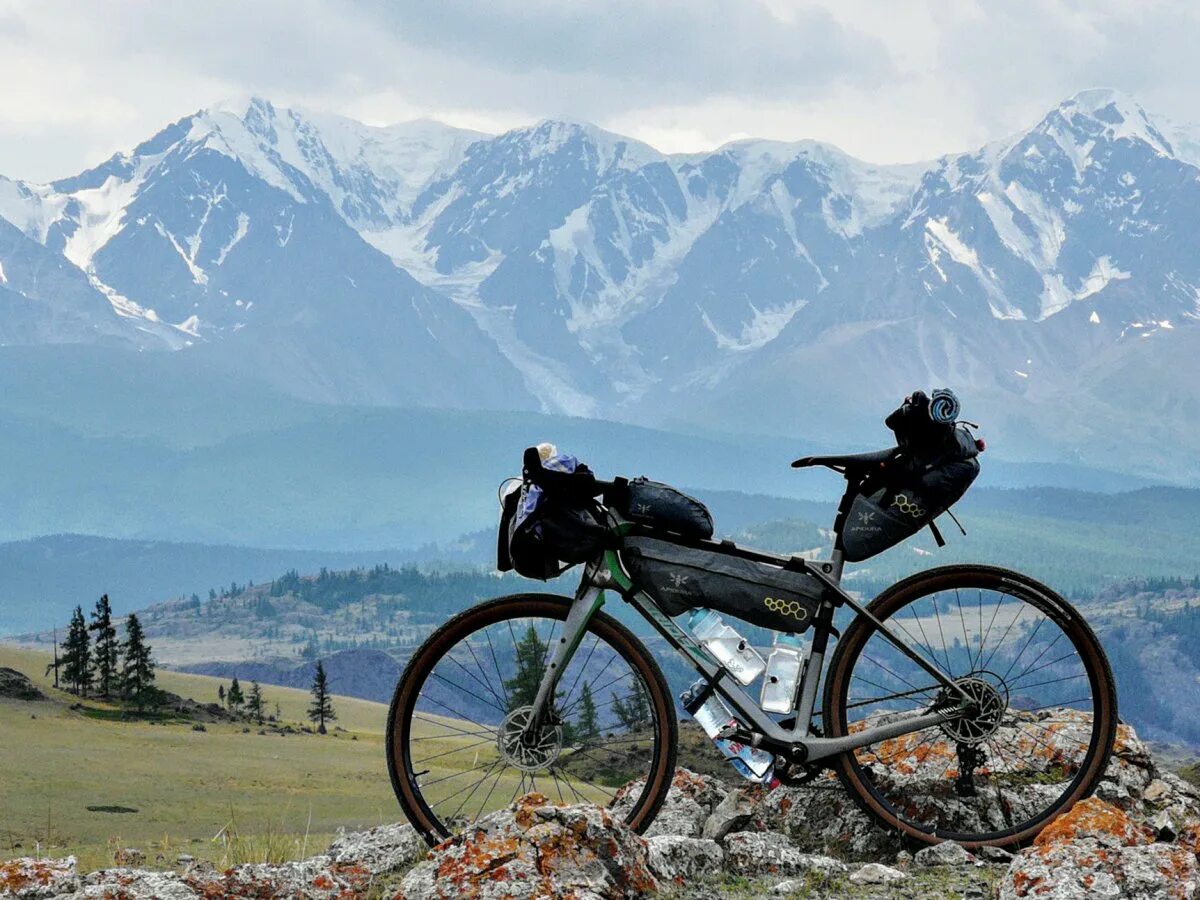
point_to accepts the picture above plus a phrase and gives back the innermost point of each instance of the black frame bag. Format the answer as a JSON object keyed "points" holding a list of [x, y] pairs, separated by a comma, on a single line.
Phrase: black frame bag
{"points": [[729, 579]]}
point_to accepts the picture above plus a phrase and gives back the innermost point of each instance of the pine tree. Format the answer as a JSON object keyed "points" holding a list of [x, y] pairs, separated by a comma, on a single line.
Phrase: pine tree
{"points": [[254, 703], [77, 655], [531, 666], [633, 711], [234, 696], [221, 694], [137, 675], [321, 710], [589, 727], [106, 657]]}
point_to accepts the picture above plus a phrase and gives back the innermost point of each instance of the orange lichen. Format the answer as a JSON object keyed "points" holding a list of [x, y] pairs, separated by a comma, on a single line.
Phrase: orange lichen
{"points": [[1189, 837], [1093, 817], [18, 874]]}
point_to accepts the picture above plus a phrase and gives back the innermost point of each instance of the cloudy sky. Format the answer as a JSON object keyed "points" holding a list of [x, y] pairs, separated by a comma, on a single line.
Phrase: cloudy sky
{"points": [[890, 81]]}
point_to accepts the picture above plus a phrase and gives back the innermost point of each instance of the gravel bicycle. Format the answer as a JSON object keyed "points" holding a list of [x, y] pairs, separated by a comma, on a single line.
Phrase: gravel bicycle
{"points": [[967, 703]]}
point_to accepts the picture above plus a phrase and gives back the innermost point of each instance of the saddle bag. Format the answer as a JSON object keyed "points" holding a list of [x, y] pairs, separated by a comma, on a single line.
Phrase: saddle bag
{"points": [[680, 578], [907, 493]]}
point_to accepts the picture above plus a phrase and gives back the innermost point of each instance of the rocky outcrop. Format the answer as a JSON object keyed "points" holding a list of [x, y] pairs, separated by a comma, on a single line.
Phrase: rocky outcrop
{"points": [[537, 849], [1139, 837]]}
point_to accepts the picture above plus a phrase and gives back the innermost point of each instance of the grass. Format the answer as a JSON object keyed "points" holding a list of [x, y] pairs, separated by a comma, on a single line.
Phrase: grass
{"points": [[224, 795]]}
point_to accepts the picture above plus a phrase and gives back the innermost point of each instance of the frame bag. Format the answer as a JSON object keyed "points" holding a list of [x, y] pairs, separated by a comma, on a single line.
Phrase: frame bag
{"points": [[680, 578]]}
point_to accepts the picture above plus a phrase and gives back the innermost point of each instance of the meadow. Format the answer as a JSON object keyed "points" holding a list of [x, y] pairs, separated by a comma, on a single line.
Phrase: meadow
{"points": [[74, 782]]}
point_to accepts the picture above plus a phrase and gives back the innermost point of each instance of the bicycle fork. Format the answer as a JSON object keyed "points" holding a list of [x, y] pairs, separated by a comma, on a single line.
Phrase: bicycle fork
{"points": [[588, 600]]}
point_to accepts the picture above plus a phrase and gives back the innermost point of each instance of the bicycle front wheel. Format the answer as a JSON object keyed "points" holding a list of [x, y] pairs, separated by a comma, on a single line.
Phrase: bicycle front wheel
{"points": [[1042, 721], [457, 743]]}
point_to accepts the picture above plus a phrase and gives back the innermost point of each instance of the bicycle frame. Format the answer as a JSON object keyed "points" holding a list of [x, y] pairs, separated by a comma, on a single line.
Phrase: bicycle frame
{"points": [[797, 742]]}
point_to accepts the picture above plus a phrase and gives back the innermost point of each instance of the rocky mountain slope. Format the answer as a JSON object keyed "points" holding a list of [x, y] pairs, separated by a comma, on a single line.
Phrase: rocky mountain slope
{"points": [[1139, 837], [1050, 276]]}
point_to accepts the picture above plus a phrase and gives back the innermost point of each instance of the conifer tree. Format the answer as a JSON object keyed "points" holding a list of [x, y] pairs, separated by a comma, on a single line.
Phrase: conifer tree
{"points": [[234, 696], [321, 710], [254, 703], [106, 655], [589, 727], [77, 655], [137, 674], [531, 666], [221, 694]]}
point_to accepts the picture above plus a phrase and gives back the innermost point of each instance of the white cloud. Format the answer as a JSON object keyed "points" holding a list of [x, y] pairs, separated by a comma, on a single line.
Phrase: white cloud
{"points": [[909, 79]]}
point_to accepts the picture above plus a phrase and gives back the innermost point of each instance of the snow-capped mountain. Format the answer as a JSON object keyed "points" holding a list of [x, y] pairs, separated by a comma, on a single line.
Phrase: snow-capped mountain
{"points": [[1053, 276]]}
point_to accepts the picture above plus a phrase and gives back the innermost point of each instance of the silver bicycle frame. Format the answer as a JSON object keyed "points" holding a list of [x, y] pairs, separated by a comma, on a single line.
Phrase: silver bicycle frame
{"points": [[607, 573]]}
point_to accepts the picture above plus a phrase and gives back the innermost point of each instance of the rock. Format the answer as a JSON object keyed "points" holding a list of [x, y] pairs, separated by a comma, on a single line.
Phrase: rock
{"points": [[15, 685], [534, 848], [994, 855], [877, 873], [689, 803], [946, 853], [1130, 772], [27, 878], [822, 818], [1158, 791], [135, 884], [128, 856], [731, 814], [755, 853], [1163, 826], [1097, 850], [381, 851], [679, 859], [791, 886]]}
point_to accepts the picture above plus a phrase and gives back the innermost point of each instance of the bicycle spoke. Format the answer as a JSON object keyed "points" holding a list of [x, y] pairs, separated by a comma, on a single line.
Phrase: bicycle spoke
{"points": [[472, 768], [997, 763]]}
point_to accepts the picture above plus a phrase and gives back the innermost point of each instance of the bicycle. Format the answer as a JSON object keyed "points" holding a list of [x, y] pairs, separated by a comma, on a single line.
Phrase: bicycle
{"points": [[977, 737]]}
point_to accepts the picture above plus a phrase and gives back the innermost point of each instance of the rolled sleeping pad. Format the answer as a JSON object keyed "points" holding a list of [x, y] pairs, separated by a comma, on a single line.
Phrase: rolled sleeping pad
{"points": [[944, 406]]}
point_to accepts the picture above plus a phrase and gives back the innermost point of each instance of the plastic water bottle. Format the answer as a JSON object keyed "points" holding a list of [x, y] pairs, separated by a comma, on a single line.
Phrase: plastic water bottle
{"points": [[713, 716], [785, 666], [730, 648]]}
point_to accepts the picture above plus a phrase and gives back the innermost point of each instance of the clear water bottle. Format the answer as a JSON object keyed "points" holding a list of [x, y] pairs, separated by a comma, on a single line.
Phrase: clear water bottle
{"points": [[785, 667], [713, 716], [730, 648]]}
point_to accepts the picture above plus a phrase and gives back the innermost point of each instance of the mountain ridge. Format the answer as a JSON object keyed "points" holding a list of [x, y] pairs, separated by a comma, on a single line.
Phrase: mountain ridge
{"points": [[565, 268]]}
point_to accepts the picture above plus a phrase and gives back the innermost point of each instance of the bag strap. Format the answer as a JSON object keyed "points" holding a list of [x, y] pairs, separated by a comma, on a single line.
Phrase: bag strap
{"points": [[937, 534]]}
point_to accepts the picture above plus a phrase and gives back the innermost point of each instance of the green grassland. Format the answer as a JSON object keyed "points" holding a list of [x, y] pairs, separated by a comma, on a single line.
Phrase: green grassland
{"points": [[220, 794]]}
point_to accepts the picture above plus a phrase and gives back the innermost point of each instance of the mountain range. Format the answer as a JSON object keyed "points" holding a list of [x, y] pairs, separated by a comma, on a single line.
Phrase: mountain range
{"points": [[774, 288]]}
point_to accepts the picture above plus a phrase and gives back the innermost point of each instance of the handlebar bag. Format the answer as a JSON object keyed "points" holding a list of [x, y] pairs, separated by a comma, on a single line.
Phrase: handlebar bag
{"points": [[907, 493], [545, 535], [681, 577], [661, 507]]}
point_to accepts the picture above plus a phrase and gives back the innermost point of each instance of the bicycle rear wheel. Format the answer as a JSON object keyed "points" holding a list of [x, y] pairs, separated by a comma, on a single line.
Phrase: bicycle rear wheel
{"points": [[1041, 730], [456, 745]]}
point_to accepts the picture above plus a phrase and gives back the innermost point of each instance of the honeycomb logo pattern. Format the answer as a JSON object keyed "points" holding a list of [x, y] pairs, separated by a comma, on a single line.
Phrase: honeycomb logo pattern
{"points": [[908, 506], [793, 609]]}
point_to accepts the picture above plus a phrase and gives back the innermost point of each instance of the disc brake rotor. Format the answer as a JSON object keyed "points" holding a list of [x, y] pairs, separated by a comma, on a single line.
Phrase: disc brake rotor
{"points": [[529, 751], [989, 702]]}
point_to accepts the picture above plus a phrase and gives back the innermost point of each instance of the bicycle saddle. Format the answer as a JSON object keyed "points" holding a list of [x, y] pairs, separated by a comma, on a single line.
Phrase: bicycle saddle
{"points": [[848, 460]]}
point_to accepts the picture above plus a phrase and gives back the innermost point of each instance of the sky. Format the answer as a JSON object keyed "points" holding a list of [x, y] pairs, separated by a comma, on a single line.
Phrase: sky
{"points": [[894, 81]]}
